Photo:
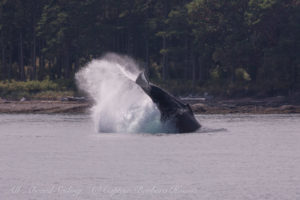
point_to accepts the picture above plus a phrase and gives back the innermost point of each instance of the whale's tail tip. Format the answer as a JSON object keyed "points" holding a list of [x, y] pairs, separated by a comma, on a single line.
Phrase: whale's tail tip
{"points": [[143, 82]]}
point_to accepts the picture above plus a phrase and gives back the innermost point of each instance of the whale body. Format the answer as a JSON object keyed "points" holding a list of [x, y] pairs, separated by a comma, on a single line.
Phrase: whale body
{"points": [[171, 108]]}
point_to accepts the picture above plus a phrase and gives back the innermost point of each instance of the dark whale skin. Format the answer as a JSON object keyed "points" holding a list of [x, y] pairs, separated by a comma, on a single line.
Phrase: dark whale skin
{"points": [[171, 108]]}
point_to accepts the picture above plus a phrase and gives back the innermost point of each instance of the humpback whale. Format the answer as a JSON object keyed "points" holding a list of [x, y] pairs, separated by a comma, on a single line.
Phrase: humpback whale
{"points": [[171, 108]]}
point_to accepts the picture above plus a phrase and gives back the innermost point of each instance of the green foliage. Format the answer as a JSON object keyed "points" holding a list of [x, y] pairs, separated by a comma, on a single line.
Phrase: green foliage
{"points": [[242, 74], [215, 74], [222, 47], [29, 86], [16, 89]]}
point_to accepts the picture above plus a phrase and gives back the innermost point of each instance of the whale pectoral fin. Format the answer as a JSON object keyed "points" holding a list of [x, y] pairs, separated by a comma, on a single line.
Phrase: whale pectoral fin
{"points": [[143, 82]]}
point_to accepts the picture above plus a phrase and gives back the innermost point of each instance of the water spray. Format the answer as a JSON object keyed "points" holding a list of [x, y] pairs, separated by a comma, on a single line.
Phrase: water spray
{"points": [[120, 105]]}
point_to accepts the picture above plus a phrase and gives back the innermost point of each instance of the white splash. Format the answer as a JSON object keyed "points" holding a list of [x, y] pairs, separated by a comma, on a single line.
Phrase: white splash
{"points": [[120, 104]]}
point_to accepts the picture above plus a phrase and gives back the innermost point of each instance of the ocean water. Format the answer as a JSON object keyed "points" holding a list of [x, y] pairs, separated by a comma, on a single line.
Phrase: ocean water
{"points": [[232, 157]]}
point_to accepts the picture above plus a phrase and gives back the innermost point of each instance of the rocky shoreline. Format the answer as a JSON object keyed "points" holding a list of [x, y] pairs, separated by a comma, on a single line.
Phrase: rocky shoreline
{"points": [[275, 105], [271, 105], [251, 109], [43, 107]]}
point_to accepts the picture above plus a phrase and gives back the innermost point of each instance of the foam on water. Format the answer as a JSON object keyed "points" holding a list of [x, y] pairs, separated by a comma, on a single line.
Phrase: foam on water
{"points": [[120, 104]]}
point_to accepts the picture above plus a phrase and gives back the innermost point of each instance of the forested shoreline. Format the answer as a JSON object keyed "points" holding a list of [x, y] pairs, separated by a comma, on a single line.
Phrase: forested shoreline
{"points": [[227, 48]]}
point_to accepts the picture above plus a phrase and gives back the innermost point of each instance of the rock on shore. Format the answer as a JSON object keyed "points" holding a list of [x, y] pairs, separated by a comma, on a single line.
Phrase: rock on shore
{"points": [[253, 106], [247, 105], [48, 107]]}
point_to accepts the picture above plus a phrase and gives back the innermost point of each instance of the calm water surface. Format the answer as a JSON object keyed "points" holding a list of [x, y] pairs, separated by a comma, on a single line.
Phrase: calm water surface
{"points": [[231, 157]]}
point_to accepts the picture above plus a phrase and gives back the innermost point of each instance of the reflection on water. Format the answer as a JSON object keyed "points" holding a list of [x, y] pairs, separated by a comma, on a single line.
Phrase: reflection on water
{"points": [[230, 157]]}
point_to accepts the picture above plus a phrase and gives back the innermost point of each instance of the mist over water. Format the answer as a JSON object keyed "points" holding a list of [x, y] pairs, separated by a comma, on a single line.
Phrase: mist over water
{"points": [[120, 104]]}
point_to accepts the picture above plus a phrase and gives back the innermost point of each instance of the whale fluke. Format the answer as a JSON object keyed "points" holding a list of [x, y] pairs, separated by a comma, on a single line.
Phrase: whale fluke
{"points": [[171, 108], [143, 82]]}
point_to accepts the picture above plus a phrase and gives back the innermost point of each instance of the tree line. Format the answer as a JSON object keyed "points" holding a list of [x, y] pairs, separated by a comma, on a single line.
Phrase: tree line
{"points": [[248, 45]]}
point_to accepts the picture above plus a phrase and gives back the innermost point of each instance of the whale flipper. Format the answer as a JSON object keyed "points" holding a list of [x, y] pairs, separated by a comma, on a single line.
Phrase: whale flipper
{"points": [[170, 107]]}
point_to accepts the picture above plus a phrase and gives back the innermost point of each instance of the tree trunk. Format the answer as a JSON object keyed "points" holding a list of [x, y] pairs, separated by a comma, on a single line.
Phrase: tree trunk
{"points": [[193, 67], [200, 69], [147, 53], [41, 70], [232, 70], [51, 69], [66, 63], [41, 67], [129, 43], [21, 59], [34, 74], [165, 59], [3, 62], [76, 64], [9, 62], [58, 67], [186, 60]]}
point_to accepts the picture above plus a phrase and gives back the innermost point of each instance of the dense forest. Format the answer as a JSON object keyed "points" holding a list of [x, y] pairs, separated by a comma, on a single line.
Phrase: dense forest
{"points": [[232, 47]]}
